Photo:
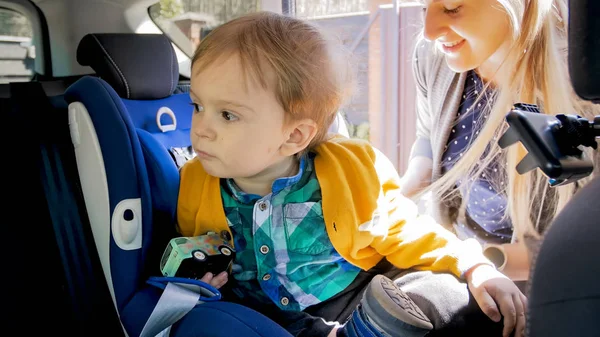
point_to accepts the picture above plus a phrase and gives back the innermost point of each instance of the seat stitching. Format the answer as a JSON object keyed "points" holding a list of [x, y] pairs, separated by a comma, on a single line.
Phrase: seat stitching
{"points": [[171, 67], [113, 63]]}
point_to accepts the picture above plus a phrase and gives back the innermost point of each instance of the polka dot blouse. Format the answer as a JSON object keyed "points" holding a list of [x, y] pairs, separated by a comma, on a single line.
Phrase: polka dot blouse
{"points": [[485, 205]]}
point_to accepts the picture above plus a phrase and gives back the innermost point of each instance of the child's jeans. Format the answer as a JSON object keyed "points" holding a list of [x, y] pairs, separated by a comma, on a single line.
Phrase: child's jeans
{"points": [[359, 325]]}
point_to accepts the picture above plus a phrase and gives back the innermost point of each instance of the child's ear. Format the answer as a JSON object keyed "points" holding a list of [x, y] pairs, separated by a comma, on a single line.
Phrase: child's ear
{"points": [[301, 134]]}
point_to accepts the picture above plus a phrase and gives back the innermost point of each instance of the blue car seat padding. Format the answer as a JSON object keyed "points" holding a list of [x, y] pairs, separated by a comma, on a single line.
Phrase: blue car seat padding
{"points": [[219, 319], [123, 149], [211, 319]]}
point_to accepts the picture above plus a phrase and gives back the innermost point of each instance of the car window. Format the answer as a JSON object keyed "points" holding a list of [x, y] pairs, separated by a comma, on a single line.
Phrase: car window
{"points": [[17, 53], [346, 20], [186, 22]]}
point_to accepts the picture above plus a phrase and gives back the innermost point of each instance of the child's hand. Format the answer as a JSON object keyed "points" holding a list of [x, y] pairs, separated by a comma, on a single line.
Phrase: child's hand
{"points": [[492, 290], [215, 281]]}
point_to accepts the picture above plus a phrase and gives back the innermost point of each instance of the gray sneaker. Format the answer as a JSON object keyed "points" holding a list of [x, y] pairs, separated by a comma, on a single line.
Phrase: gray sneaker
{"points": [[392, 310]]}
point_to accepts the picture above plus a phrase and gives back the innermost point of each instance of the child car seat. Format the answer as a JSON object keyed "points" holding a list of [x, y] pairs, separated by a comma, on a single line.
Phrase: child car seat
{"points": [[131, 133]]}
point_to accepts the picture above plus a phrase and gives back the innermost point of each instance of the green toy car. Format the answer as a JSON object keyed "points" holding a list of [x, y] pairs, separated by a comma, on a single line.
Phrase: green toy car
{"points": [[193, 257]]}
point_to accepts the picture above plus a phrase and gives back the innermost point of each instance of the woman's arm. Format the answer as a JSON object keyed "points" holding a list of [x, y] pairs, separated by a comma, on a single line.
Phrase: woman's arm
{"points": [[418, 172], [417, 176]]}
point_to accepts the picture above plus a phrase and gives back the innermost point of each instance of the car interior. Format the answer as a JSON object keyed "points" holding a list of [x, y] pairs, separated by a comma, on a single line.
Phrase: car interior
{"points": [[95, 99]]}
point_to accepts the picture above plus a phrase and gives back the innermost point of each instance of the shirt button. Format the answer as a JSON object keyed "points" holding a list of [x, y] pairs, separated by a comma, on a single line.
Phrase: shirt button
{"points": [[264, 249], [262, 206], [266, 277], [285, 301]]}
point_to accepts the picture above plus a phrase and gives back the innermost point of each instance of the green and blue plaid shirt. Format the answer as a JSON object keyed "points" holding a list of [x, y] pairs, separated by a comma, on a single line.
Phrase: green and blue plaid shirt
{"points": [[284, 254]]}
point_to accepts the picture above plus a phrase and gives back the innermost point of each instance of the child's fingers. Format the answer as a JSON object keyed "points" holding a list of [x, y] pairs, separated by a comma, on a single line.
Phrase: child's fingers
{"points": [[215, 281], [207, 278], [219, 280]]}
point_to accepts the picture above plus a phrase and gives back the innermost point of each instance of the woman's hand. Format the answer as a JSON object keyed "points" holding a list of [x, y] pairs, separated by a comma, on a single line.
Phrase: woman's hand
{"points": [[215, 281], [497, 295]]}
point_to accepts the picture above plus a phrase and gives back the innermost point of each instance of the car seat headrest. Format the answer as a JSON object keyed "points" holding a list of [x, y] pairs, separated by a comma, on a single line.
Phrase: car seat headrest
{"points": [[137, 66]]}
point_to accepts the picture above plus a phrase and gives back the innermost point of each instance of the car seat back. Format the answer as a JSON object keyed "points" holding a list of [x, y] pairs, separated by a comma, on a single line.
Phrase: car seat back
{"points": [[130, 133]]}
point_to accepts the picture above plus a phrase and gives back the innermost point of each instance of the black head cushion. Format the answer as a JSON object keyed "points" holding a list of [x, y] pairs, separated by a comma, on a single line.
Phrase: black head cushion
{"points": [[137, 66]]}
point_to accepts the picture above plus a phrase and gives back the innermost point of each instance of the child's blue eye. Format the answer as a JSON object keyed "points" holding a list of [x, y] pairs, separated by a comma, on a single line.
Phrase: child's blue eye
{"points": [[197, 107], [228, 116]]}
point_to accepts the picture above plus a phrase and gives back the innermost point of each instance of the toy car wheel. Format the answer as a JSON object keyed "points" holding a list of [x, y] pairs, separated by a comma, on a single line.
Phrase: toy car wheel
{"points": [[225, 251], [199, 255]]}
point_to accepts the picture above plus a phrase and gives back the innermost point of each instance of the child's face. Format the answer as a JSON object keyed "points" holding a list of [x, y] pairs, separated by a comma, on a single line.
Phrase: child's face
{"points": [[238, 129]]}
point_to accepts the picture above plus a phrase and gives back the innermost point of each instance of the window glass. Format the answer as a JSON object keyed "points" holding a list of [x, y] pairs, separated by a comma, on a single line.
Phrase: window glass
{"points": [[17, 54], [346, 20], [315, 8], [186, 22]]}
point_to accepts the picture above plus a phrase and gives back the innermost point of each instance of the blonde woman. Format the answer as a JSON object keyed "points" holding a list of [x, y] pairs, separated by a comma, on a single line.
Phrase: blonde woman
{"points": [[478, 58]]}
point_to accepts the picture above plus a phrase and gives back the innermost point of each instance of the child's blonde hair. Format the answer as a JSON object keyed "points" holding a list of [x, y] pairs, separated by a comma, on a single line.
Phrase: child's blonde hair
{"points": [[308, 81]]}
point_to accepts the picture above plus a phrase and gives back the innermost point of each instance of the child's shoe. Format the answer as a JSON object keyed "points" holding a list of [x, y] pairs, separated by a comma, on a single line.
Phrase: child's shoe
{"points": [[392, 311]]}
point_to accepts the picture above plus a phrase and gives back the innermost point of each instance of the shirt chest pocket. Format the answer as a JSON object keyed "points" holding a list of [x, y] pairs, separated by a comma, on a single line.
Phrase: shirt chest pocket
{"points": [[305, 228]]}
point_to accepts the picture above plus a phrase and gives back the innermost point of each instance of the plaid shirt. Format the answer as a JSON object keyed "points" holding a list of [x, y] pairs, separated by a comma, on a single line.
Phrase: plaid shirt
{"points": [[284, 254]]}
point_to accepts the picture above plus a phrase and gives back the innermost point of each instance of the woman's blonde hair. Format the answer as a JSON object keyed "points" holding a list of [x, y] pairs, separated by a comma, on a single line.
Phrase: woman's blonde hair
{"points": [[308, 74], [535, 71]]}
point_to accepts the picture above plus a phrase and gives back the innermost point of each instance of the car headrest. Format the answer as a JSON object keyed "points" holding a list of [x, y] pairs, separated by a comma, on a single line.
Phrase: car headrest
{"points": [[137, 66]]}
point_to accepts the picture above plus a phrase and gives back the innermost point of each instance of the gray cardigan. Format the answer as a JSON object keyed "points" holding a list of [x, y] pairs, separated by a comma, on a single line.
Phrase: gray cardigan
{"points": [[439, 91]]}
